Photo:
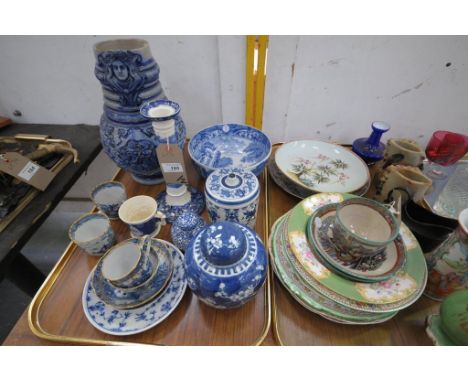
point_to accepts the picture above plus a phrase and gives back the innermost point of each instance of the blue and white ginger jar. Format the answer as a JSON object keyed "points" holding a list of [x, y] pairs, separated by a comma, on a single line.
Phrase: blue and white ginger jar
{"points": [[187, 225], [130, 76], [232, 194], [226, 265]]}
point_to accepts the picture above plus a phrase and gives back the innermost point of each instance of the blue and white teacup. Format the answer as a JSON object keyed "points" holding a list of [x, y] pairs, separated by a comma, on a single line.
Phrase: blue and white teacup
{"points": [[128, 264], [93, 233], [142, 216], [108, 197]]}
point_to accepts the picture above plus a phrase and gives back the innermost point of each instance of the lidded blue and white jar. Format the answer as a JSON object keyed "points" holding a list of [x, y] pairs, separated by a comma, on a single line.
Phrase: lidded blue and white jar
{"points": [[225, 265], [232, 195]]}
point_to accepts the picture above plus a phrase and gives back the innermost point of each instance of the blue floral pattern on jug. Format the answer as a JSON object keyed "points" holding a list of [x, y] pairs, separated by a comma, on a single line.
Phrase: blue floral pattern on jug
{"points": [[229, 145], [225, 265], [196, 204], [185, 228], [130, 76], [111, 320], [126, 298]]}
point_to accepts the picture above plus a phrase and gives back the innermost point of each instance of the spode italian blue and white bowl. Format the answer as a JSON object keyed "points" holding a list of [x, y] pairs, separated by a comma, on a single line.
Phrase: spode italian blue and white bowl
{"points": [[229, 145]]}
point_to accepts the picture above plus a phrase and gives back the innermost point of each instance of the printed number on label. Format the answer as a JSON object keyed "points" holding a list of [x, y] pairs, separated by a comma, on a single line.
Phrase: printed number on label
{"points": [[172, 167], [28, 171]]}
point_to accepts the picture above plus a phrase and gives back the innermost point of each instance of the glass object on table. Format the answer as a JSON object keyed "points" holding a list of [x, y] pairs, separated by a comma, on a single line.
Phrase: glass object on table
{"points": [[444, 149], [454, 196]]}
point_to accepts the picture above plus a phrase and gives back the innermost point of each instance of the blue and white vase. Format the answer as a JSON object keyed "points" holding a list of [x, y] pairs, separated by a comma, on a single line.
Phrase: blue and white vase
{"points": [[187, 225], [225, 265], [130, 76], [177, 199], [232, 194]]}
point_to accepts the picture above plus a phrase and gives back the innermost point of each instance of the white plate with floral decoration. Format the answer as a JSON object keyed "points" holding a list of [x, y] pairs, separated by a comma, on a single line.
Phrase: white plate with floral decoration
{"points": [[321, 166]]}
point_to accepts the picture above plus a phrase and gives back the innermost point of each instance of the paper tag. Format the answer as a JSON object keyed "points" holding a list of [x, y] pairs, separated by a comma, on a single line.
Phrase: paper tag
{"points": [[172, 163], [25, 170], [28, 171], [172, 167]]}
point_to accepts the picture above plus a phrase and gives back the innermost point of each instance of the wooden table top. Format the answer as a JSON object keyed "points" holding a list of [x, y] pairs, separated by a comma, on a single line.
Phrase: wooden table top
{"points": [[291, 323]]}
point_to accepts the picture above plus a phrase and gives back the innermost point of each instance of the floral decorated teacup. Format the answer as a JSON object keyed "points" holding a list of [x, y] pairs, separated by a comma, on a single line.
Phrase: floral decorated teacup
{"points": [[93, 233], [142, 216], [363, 227]]}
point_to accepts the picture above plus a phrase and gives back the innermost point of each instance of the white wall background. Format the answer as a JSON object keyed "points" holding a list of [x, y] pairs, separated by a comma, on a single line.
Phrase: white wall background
{"points": [[332, 88], [327, 88], [50, 79]]}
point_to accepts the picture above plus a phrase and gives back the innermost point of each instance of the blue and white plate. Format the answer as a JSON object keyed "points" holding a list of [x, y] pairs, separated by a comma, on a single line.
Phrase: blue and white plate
{"points": [[229, 145], [124, 322]]}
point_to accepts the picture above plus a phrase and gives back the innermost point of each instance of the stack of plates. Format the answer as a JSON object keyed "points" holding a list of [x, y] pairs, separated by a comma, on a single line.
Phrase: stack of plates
{"points": [[130, 311], [303, 168], [323, 285]]}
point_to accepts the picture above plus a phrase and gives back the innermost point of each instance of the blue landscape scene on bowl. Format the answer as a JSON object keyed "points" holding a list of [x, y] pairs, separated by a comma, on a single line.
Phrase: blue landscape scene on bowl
{"points": [[229, 145]]}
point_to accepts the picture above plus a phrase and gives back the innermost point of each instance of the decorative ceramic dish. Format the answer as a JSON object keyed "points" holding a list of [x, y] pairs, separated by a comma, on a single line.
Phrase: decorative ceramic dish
{"points": [[396, 293], [229, 145], [364, 269], [295, 189], [309, 297], [322, 167], [126, 298], [121, 322]]}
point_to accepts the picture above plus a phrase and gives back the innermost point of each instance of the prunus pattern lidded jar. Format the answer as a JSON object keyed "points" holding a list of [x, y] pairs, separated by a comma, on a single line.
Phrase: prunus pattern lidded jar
{"points": [[225, 265]]}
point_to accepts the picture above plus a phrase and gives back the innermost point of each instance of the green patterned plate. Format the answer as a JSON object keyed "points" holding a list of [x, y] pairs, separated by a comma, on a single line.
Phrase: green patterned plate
{"points": [[394, 294], [435, 332], [309, 297]]}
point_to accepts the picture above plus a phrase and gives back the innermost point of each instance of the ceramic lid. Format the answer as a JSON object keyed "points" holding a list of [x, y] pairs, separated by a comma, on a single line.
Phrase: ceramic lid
{"points": [[188, 220], [223, 243], [232, 185], [454, 316]]}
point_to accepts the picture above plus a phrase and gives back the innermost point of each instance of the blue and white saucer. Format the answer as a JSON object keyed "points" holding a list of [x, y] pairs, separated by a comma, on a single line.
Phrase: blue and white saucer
{"points": [[124, 322], [127, 298]]}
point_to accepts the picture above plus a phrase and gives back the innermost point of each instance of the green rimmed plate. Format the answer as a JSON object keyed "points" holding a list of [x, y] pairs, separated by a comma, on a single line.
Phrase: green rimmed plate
{"points": [[365, 269], [397, 293], [435, 332], [309, 297]]}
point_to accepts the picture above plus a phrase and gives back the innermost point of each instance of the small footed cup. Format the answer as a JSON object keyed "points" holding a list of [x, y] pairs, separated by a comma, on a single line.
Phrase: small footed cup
{"points": [[93, 233], [142, 216], [363, 227]]}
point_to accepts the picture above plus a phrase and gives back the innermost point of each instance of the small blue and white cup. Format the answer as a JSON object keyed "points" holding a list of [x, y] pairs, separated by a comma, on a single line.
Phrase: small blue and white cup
{"points": [[141, 214], [128, 264], [92, 233], [108, 197]]}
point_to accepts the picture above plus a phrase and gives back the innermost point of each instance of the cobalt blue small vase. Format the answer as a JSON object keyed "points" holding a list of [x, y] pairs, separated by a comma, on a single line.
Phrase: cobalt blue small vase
{"points": [[371, 149]]}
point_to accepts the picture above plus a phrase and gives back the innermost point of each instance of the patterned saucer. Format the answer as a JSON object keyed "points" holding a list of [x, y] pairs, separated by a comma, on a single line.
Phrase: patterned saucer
{"points": [[126, 298], [396, 293], [120, 322], [365, 269], [307, 296]]}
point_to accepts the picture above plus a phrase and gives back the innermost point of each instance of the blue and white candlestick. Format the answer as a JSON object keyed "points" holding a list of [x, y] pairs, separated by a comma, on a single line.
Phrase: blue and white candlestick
{"points": [[179, 198]]}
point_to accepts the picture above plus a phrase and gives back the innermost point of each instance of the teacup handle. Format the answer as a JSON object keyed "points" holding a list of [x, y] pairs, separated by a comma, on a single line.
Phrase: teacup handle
{"points": [[395, 208], [161, 216]]}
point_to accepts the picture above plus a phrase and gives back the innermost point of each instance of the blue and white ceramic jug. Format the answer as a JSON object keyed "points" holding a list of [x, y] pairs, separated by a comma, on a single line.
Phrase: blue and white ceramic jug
{"points": [[226, 265], [130, 76]]}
